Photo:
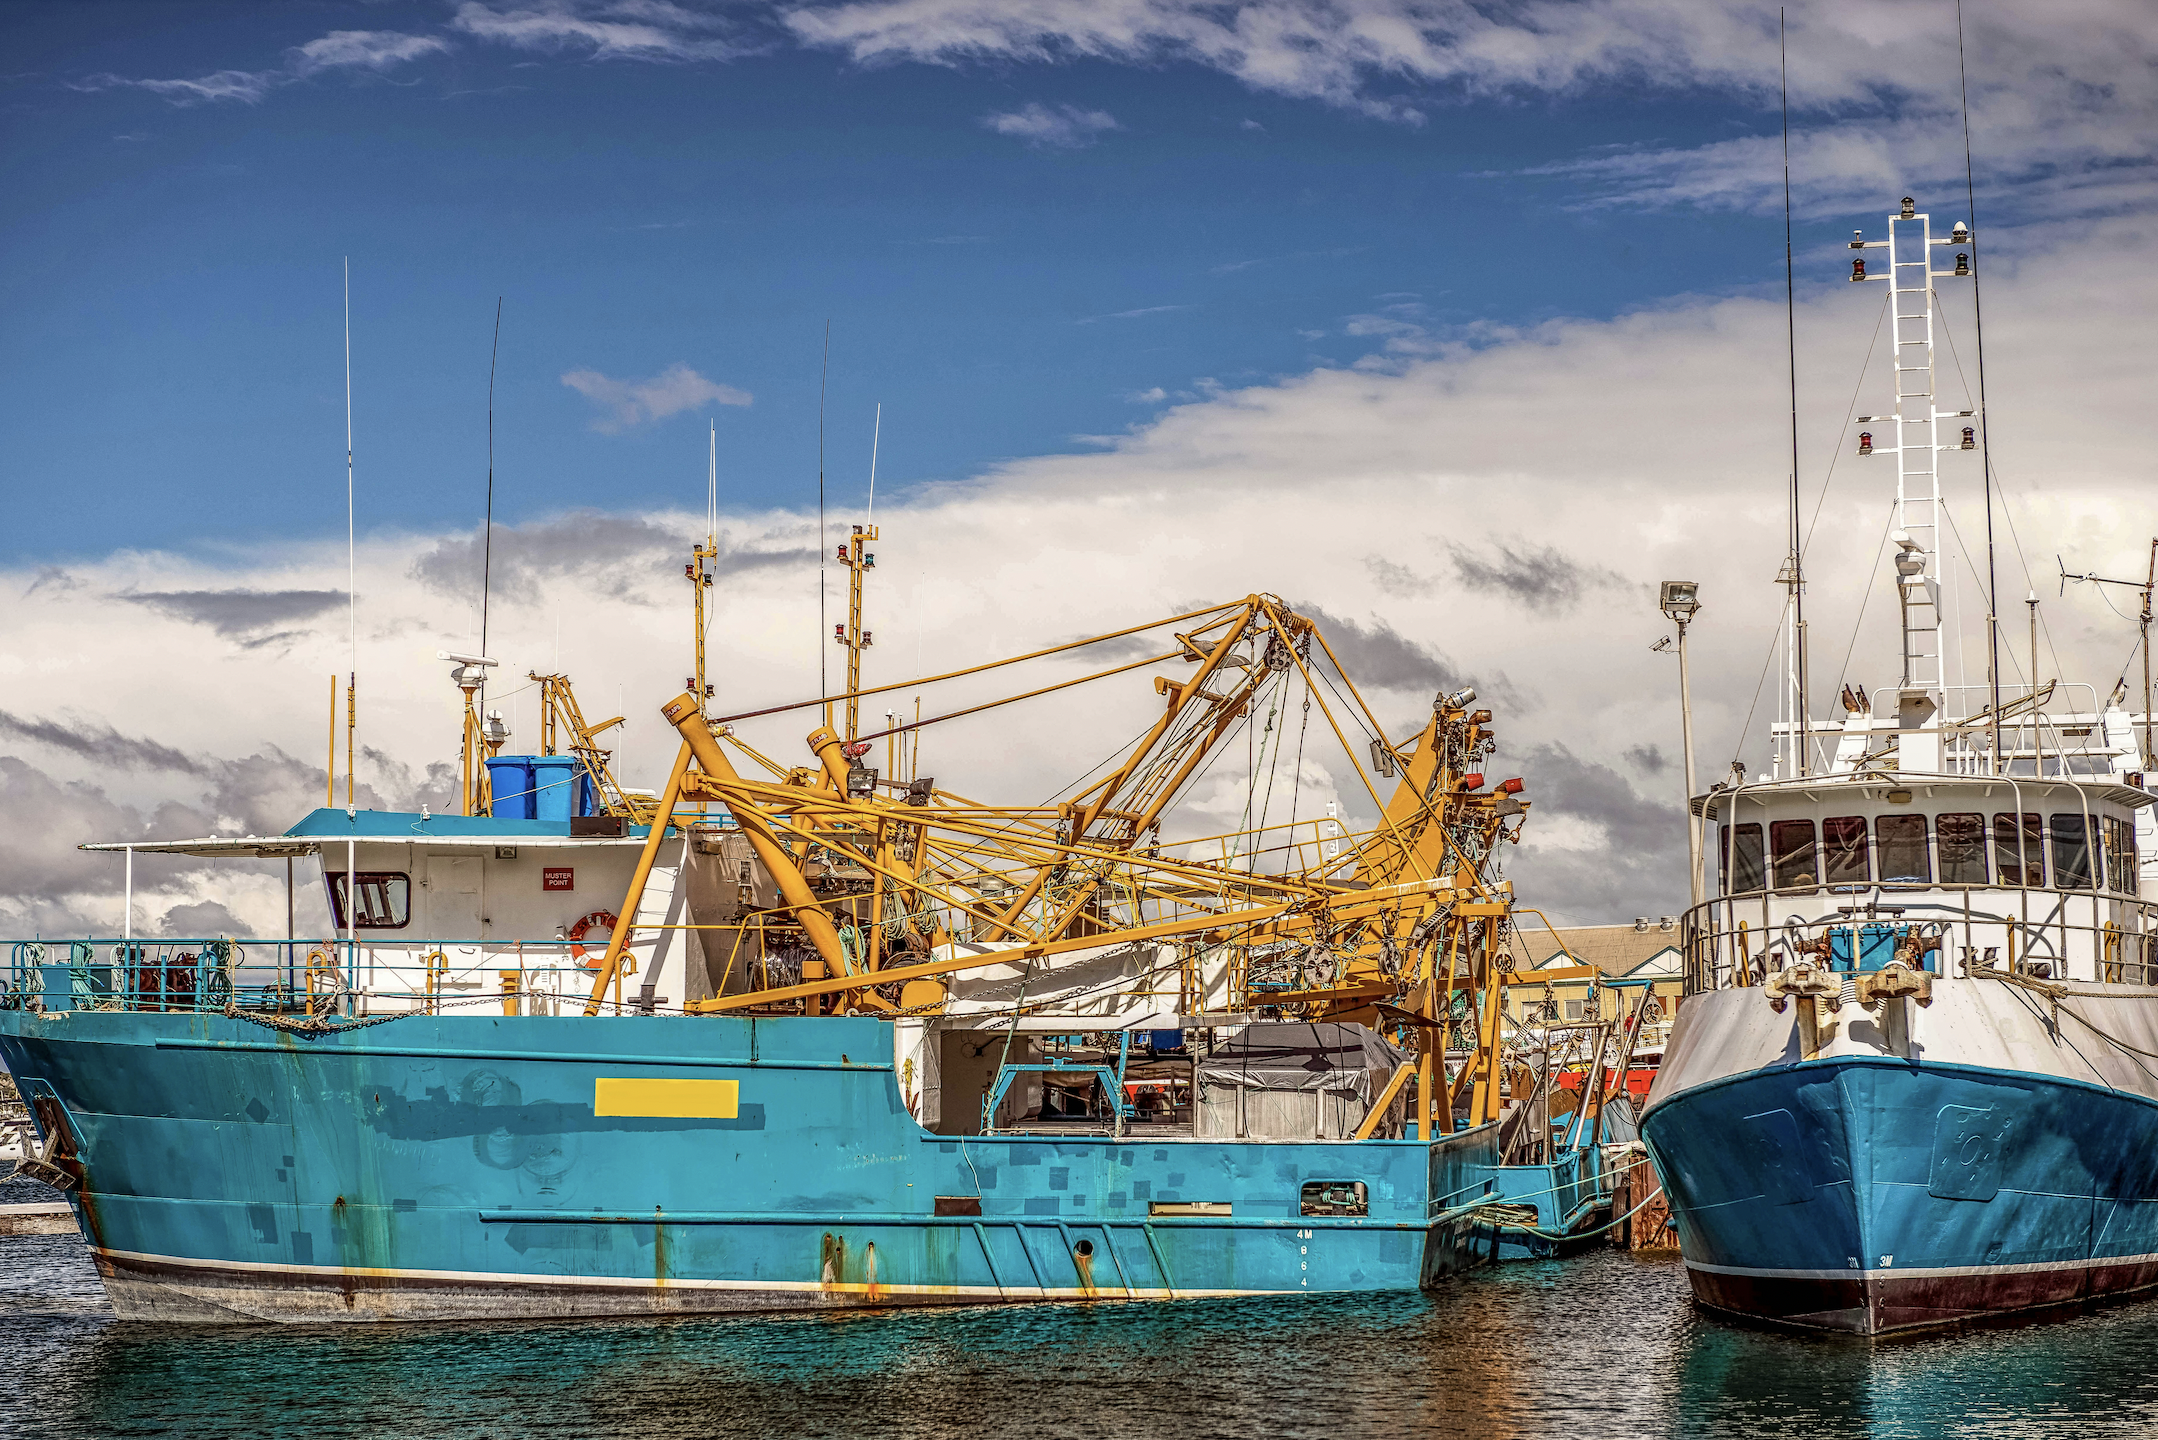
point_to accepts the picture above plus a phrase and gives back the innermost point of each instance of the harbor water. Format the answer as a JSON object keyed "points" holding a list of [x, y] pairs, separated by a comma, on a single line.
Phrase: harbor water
{"points": [[1601, 1345]]}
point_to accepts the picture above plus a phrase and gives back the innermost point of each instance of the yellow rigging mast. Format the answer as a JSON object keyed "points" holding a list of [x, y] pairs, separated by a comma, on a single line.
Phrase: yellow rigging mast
{"points": [[859, 561], [1403, 925]]}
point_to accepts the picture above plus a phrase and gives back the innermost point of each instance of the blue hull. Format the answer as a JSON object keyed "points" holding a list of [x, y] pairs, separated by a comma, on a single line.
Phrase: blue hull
{"points": [[443, 1167], [1571, 1198], [1871, 1195]]}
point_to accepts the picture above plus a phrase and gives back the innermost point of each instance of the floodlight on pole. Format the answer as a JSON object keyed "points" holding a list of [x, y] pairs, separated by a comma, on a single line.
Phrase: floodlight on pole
{"points": [[1680, 600]]}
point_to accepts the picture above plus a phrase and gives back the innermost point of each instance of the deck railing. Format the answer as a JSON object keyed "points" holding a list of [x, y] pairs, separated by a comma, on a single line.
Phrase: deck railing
{"points": [[321, 978], [1738, 940]]}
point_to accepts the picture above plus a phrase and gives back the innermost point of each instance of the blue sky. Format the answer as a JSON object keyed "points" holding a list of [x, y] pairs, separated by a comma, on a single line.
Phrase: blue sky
{"points": [[173, 361]]}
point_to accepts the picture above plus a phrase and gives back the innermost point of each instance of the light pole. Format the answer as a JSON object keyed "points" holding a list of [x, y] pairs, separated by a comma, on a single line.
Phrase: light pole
{"points": [[1680, 599]]}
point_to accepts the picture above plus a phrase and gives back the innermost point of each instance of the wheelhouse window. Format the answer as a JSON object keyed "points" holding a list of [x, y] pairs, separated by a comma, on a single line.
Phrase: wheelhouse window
{"points": [[1904, 860], [2071, 851], [2123, 866], [1747, 861], [385, 899], [2019, 850], [1844, 860], [1962, 842], [1792, 844]]}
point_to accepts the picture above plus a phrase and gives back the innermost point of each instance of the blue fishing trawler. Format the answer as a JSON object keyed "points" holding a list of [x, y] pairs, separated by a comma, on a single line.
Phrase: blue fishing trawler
{"points": [[809, 1036], [1911, 1082]]}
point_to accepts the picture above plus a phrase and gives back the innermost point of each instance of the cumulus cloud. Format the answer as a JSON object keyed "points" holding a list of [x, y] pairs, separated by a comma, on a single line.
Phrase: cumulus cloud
{"points": [[1376, 655], [626, 404], [1064, 127], [1357, 490], [97, 741], [617, 555], [248, 617], [1541, 577]]}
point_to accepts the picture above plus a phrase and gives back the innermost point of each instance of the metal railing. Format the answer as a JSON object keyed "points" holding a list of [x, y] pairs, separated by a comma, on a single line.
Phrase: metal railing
{"points": [[315, 978], [1738, 940]]}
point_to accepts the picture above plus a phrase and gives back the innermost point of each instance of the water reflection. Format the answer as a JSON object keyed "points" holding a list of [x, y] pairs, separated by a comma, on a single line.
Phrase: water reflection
{"points": [[1603, 1345]]}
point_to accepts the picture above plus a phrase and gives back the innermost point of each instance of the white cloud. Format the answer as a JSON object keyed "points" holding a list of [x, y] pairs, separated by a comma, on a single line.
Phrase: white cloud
{"points": [[367, 49], [630, 403], [376, 50], [652, 30], [1132, 314], [1066, 127], [2064, 94], [1497, 510], [244, 86]]}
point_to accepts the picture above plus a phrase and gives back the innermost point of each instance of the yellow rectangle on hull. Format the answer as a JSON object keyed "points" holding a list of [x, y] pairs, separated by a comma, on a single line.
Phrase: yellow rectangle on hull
{"points": [[667, 1099]]}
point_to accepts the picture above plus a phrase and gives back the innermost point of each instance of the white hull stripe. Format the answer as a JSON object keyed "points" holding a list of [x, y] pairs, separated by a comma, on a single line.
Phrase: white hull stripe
{"points": [[1941, 1272], [621, 1282]]}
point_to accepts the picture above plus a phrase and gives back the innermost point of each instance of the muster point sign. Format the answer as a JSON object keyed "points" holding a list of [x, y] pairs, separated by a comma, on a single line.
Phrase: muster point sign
{"points": [[558, 877]]}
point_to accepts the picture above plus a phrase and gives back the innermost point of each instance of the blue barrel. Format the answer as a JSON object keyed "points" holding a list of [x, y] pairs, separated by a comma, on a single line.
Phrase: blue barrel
{"points": [[511, 778], [587, 798], [554, 787]]}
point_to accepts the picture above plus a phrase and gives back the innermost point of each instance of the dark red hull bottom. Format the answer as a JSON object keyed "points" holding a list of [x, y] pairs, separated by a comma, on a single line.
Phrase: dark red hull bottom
{"points": [[1879, 1302]]}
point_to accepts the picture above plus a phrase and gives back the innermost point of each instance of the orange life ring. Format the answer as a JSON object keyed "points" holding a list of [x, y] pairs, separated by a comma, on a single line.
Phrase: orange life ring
{"points": [[576, 933]]}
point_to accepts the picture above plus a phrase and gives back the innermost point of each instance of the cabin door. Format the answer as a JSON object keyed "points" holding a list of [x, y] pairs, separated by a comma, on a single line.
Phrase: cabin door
{"points": [[454, 898]]}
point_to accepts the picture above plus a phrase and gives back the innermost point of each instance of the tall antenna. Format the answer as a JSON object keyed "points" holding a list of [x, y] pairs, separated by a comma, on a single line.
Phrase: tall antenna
{"points": [[1985, 430], [823, 685], [1790, 322], [352, 563], [876, 434], [487, 560]]}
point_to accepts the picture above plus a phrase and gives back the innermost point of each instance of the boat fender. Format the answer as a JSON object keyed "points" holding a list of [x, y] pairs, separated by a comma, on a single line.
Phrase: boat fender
{"points": [[597, 920]]}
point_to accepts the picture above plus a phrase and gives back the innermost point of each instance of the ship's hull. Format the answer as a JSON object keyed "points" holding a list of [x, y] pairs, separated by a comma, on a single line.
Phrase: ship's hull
{"points": [[1871, 1194], [462, 1167]]}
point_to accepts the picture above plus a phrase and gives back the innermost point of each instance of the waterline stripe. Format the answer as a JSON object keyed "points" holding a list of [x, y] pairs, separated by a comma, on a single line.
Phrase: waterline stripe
{"points": [[1919, 1272], [622, 1282]]}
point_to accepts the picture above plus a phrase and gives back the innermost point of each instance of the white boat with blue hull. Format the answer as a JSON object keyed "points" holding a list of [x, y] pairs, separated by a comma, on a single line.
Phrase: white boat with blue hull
{"points": [[907, 1062], [1914, 1079], [448, 1167]]}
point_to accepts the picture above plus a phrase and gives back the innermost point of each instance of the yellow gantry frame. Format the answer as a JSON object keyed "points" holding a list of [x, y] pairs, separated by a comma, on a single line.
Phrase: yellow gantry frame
{"points": [[1422, 921], [560, 714]]}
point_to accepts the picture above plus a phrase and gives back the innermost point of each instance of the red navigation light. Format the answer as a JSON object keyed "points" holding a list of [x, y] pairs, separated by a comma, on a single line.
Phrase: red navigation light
{"points": [[1858, 269], [842, 552], [839, 633], [1865, 442]]}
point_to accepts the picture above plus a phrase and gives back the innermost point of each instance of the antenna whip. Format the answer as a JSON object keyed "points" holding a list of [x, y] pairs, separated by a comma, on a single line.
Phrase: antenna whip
{"points": [[1985, 430], [1790, 322], [487, 553]]}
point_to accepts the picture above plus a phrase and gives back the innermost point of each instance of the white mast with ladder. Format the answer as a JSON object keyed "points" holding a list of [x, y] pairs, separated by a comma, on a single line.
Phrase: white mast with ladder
{"points": [[1922, 693]]}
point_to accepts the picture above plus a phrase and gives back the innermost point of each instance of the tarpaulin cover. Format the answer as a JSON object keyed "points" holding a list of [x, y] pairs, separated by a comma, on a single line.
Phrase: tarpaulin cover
{"points": [[1293, 1082]]}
